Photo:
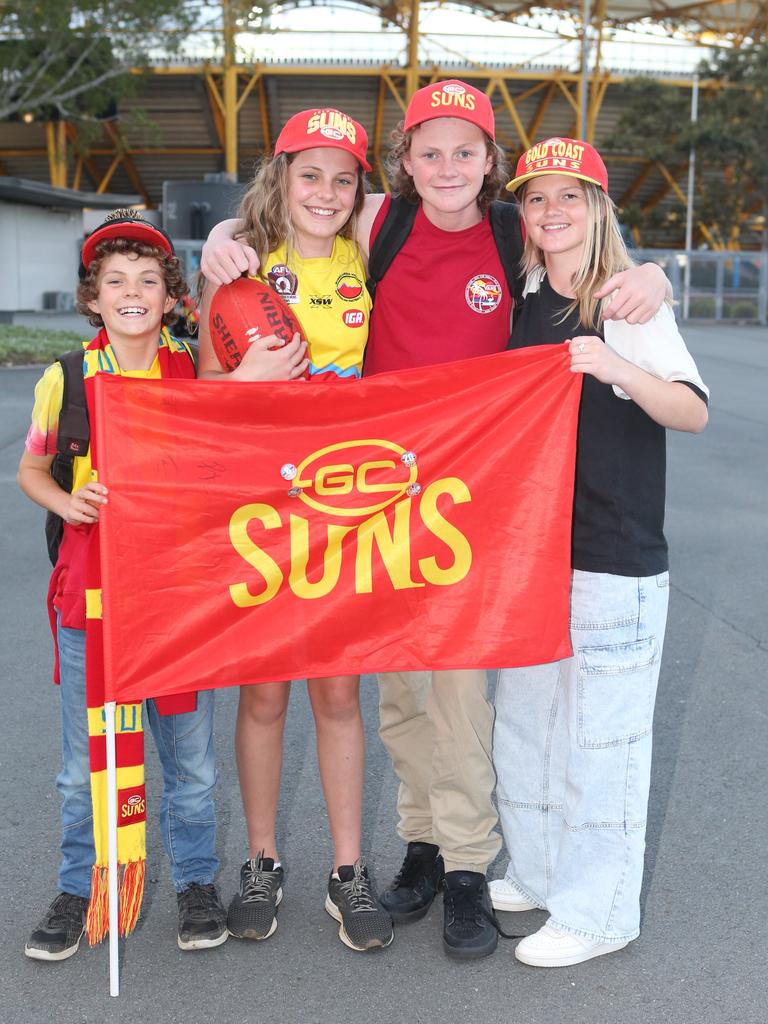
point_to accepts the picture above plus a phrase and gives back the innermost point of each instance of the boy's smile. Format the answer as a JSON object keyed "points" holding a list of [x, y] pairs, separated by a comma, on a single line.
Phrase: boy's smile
{"points": [[132, 298]]}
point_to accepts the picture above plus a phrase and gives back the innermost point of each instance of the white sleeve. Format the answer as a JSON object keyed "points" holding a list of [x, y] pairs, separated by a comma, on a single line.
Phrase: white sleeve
{"points": [[656, 347]]}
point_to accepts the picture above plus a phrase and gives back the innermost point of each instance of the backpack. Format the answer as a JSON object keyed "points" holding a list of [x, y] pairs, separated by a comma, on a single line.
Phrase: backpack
{"points": [[398, 223], [73, 440], [74, 437]]}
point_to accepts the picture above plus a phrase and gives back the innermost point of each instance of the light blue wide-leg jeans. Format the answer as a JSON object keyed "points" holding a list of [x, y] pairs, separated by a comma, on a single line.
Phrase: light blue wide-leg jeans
{"points": [[572, 751]]}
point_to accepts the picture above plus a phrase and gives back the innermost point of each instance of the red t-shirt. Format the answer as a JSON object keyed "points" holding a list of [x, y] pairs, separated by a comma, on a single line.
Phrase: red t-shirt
{"points": [[444, 297]]}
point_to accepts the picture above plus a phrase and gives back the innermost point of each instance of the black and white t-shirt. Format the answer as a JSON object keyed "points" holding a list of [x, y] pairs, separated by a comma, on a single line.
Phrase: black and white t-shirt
{"points": [[618, 511]]}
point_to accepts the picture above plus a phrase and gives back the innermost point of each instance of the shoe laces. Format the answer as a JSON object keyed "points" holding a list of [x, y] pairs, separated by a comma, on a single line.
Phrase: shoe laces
{"points": [[65, 907], [358, 891], [257, 887], [412, 871], [467, 908], [198, 901]]}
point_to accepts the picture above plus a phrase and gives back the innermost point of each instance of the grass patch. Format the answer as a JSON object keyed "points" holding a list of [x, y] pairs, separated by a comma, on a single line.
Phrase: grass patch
{"points": [[22, 346]]}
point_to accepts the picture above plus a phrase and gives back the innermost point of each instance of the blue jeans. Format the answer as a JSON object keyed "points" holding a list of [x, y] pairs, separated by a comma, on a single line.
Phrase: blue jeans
{"points": [[572, 751], [187, 756]]}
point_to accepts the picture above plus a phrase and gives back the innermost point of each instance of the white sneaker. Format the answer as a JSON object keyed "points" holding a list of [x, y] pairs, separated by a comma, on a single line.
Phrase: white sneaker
{"points": [[506, 896], [549, 947]]}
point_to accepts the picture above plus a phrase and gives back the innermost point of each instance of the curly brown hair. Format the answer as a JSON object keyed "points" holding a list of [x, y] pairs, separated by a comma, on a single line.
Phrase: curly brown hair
{"points": [[402, 182], [170, 267]]}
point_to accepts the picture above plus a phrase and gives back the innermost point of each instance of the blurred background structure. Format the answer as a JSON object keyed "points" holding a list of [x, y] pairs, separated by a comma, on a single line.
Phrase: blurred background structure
{"points": [[174, 103]]}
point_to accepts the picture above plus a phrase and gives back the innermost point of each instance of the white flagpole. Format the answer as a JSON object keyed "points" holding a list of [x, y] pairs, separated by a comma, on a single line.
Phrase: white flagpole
{"points": [[114, 937], [689, 208]]}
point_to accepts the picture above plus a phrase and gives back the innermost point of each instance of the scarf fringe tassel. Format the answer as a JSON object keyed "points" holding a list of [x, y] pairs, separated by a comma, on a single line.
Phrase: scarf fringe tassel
{"points": [[131, 890]]}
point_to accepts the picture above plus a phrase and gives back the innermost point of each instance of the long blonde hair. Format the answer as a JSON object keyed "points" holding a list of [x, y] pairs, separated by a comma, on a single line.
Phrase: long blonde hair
{"points": [[604, 254], [264, 208]]}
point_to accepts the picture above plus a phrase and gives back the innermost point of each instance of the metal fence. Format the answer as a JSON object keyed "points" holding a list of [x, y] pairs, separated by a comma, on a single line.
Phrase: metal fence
{"points": [[730, 285]]}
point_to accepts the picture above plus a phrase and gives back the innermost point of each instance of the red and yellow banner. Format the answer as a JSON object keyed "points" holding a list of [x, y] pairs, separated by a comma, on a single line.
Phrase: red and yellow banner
{"points": [[413, 520]]}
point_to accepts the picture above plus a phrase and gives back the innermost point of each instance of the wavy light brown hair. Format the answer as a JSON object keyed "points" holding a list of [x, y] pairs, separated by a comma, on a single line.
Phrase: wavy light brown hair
{"points": [[402, 182], [170, 268], [264, 208], [604, 253]]}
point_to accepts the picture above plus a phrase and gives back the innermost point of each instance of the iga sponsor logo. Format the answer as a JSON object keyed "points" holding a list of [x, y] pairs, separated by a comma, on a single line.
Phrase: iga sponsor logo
{"points": [[483, 293], [349, 287], [368, 524], [354, 317]]}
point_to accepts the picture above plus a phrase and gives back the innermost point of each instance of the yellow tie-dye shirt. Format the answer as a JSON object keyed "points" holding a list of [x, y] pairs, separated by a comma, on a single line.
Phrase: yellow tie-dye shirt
{"points": [[49, 392]]}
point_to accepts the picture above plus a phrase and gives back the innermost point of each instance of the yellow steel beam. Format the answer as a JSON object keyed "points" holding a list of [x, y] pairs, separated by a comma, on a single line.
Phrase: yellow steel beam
{"points": [[640, 178], [541, 110], [130, 167], [266, 130], [83, 159], [104, 183], [501, 85], [412, 79], [216, 105], [56, 147], [230, 120]]}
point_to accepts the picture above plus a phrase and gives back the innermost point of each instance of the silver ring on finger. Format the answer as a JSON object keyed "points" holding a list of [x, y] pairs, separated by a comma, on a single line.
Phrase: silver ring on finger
{"points": [[581, 346]]}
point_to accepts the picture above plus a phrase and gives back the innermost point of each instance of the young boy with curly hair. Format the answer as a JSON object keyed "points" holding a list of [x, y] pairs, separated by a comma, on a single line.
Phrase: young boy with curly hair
{"points": [[130, 283]]}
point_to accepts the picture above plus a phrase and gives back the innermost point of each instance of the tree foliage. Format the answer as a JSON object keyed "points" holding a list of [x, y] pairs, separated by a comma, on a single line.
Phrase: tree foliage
{"points": [[730, 139], [74, 57]]}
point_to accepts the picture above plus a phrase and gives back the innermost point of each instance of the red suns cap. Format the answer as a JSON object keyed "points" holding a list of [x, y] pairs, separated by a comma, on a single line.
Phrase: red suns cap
{"points": [[451, 99], [324, 127], [572, 157], [123, 224]]}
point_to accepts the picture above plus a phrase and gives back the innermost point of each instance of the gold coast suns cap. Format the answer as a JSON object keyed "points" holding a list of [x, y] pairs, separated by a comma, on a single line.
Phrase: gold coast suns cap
{"points": [[324, 127], [572, 157], [451, 99]]}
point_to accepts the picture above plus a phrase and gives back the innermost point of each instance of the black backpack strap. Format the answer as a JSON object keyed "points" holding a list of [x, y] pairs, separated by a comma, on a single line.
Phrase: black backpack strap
{"points": [[74, 430], [505, 224], [397, 225], [74, 437]]}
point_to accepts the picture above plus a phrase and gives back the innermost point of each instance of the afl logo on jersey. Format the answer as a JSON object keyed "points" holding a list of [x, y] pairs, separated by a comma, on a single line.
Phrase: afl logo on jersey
{"points": [[483, 293], [349, 287]]}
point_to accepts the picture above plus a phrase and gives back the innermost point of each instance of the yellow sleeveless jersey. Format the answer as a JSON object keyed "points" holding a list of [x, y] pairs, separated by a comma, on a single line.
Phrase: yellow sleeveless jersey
{"points": [[329, 298]]}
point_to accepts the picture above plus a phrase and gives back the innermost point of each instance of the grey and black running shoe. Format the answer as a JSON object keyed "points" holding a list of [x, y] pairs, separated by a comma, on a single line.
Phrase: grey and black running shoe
{"points": [[202, 918], [253, 911], [352, 901], [58, 934]]}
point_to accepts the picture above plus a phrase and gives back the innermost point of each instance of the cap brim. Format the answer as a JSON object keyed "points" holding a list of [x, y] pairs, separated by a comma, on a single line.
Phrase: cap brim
{"points": [[517, 182], [324, 144], [147, 233], [408, 125]]}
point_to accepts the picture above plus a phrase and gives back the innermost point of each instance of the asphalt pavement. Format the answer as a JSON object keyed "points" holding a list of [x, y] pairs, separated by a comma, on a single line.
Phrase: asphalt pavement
{"points": [[701, 957]]}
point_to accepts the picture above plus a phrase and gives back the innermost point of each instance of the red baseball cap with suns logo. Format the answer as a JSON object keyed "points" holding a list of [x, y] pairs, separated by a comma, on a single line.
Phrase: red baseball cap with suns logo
{"points": [[451, 99], [572, 157], [324, 127]]}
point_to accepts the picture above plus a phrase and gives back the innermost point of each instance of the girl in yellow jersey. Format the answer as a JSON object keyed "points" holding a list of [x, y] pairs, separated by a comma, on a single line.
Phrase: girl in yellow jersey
{"points": [[300, 216]]}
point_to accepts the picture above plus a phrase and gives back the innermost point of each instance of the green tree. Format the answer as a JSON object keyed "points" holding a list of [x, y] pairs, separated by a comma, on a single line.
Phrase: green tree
{"points": [[730, 140], [75, 57]]}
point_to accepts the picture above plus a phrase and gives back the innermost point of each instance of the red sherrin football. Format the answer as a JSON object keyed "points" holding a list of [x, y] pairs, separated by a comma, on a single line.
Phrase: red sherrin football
{"points": [[241, 306]]}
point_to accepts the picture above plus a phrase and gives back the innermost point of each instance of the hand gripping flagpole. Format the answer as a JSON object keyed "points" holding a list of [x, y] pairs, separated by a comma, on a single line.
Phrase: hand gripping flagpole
{"points": [[114, 919]]}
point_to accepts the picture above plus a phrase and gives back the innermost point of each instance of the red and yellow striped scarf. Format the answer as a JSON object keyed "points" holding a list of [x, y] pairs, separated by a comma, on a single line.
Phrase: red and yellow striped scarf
{"points": [[175, 361]]}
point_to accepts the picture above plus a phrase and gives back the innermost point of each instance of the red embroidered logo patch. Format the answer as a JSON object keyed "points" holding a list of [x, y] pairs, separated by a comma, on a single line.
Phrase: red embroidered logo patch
{"points": [[483, 293], [131, 805]]}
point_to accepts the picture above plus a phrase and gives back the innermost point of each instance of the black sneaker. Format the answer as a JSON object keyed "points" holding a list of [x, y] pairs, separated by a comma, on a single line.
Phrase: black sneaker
{"points": [[252, 913], [416, 884], [58, 934], [202, 918], [469, 926], [351, 900]]}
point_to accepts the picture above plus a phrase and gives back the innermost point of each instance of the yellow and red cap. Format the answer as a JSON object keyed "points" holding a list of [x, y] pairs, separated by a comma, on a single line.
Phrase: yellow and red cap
{"points": [[123, 224], [572, 157], [325, 127], [451, 99]]}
